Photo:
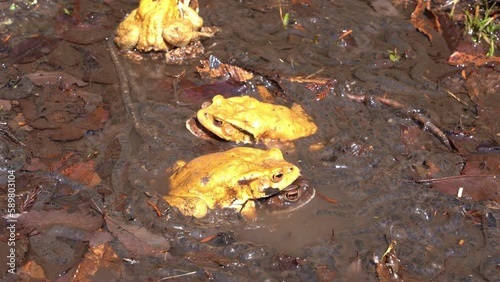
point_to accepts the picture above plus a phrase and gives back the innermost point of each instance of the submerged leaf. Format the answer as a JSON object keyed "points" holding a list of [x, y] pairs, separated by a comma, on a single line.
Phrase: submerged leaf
{"points": [[83, 173], [98, 261], [138, 240], [55, 77], [33, 48], [40, 220], [478, 188], [86, 34]]}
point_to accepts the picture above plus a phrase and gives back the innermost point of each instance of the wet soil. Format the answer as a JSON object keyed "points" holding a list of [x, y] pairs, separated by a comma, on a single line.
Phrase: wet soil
{"points": [[90, 132]]}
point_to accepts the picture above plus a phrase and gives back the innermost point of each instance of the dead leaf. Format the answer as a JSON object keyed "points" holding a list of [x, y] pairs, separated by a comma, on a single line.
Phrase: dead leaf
{"points": [[213, 69], [95, 120], [75, 129], [138, 240], [31, 271], [99, 258], [482, 164], [324, 274], [97, 68], [196, 95], [426, 169], [66, 133], [85, 34], [83, 173], [40, 220], [5, 105], [16, 89], [35, 164], [282, 262], [389, 267], [478, 188], [413, 138], [207, 259], [32, 48], [55, 77], [92, 100], [307, 3], [459, 59], [419, 20]]}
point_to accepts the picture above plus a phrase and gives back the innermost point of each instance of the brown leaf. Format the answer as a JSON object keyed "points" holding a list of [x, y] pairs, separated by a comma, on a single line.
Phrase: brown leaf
{"points": [[99, 258], [91, 99], [95, 120], [34, 164], [97, 68], [482, 164], [56, 77], [83, 173], [138, 240], [66, 133], [39, 220], [214, 69], [413, 138], [207, 259], [389, 268], [85, 34], [419, 20], [196, 95], [14, 89], [31, 271], [32, 48], [324, 274], [459, 58], [478, 188], [5, 105]]}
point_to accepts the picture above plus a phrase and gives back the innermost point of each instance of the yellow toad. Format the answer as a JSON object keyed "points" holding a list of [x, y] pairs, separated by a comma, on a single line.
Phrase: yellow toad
{"points": [[247, 120], [157, 25], [230, 179]]}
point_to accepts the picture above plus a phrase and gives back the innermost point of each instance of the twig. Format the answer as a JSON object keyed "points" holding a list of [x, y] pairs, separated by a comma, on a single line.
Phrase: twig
{"points": [[456, 97], [12, 137], [179, 275], [428, 124]]}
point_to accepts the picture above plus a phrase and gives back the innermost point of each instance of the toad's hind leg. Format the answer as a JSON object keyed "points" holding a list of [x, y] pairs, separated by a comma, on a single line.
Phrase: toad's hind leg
{"points": [[128, 32], [188, 206]]}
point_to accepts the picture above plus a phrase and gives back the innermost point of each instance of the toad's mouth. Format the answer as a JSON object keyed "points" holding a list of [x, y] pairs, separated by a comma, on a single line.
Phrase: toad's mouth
{"points": [[194, 126], [294, 196], [220, 129]]}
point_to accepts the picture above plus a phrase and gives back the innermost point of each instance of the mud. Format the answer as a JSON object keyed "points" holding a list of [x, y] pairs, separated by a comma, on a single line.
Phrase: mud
{"points": [[364, 162]]}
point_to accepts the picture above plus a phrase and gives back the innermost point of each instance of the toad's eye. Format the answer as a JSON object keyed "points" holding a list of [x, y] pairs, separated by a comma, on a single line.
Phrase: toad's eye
{"points": [[218, 122], [293, 196], [277, 177]]}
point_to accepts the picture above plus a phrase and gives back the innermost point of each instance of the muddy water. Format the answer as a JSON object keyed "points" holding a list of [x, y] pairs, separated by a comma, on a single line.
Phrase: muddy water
{"points": [[357, 157], [361, 163]]}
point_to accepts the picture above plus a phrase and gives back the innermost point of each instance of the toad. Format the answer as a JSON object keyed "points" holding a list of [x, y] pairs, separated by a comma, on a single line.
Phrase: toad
{"points": [[247, 120], [158, 25], [293, 197], [231, 179]]}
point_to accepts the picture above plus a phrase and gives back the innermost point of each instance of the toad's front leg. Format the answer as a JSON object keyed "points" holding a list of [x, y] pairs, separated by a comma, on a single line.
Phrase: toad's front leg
{"points": [[188, 206]]}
